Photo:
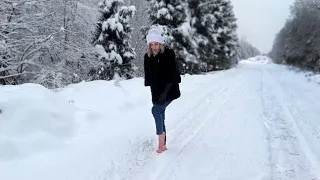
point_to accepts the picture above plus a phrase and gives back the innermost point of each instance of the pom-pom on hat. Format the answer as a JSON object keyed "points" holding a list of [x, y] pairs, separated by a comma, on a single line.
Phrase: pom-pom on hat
{"points": [[154, 35]]}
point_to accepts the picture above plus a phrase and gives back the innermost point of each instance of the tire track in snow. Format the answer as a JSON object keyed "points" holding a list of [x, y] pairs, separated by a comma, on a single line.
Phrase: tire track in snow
{"points": [[266, 125], [141, 160], [298, 123], [295, 117], [192, 124], [198, 104], [291, 155], [305, 110], [194, 128], [139, 157], [223, 148], [218, 113]]}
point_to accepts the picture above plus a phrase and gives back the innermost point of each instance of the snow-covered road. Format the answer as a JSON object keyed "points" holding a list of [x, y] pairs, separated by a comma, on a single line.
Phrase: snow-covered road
{"points": [[258, 121], [255, 124]]}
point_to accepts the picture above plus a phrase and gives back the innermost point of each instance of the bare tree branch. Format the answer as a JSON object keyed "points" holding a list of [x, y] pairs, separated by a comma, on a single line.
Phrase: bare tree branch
{"points": [[12, 75], [316, 4], [4, 69]]}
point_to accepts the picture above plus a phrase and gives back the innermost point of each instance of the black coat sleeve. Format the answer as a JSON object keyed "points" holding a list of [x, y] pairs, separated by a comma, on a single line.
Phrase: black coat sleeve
{"points": [[173, 72], [147, 81]]}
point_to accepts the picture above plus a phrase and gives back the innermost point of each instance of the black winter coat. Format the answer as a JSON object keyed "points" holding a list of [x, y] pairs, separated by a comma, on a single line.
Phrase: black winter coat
{"points": [[159, 71]]}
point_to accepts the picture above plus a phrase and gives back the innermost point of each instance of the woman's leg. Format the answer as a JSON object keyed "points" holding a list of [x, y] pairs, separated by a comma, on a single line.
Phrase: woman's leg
{"points": [[158, 112], [164, 126], [164, 119], [164, 115]]}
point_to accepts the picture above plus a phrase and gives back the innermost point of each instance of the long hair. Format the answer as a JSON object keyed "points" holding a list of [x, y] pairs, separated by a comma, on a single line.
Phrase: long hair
{"points": [[149, 50]]}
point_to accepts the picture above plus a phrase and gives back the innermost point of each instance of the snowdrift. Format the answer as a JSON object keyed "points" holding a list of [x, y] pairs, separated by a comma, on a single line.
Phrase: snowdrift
{"points": [[298, 73], [91, 130], [33, 119], [87, 127], [312, 77], [258, 59]]}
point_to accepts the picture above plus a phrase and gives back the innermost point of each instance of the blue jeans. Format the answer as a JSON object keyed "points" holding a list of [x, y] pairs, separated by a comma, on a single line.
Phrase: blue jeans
{"points": [[158, 111]]}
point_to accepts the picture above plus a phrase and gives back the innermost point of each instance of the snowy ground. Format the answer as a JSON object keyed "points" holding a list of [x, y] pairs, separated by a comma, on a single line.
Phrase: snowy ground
{"points": [[257, 121]]}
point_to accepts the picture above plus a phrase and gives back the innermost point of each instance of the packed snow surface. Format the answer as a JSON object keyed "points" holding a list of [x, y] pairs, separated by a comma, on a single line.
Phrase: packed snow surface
{"points": [[257, 121]]}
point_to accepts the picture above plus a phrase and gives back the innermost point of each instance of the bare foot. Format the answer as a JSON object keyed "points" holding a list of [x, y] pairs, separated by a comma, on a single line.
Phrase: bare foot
{"points": [[162, 148]]}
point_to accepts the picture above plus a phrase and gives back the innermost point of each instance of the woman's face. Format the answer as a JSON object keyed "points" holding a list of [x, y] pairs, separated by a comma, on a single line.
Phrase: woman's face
{"points": [[155, 46]]}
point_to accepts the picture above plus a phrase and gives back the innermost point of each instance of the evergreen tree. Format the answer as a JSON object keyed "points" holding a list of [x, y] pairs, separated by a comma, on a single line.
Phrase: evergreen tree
{"points": [[228, 40], [278, 50], [203, 22], [173, 15], [112, 41], [297, 43], [246, 50], [215, 27]]}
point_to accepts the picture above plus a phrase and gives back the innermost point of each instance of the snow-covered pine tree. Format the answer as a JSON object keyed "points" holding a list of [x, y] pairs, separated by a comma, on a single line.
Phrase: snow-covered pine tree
{"points": [[175, 17], [137, 41], [227, 38], [278, 51], [215, 32], [297, 43], [112, 40], [245, 50], [203, 21]]}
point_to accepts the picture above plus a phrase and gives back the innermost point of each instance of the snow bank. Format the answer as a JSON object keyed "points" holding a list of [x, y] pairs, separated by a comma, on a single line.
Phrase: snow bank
{"points": [[298, 73], [313, 77], [90, 130], [99, 129], [32, 119], [258, 59], [107, 97]]}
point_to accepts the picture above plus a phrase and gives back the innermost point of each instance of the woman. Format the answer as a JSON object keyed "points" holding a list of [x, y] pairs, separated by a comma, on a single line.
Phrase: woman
{"points": [[163, 77]]}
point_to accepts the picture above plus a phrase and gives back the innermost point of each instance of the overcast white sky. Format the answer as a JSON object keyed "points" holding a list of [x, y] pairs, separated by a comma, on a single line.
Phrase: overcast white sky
{"points": [[260, 20]]}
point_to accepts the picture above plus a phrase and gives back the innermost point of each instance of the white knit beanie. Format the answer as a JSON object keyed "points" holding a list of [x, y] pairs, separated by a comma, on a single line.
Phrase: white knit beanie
{"points": [[154, 35]]}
